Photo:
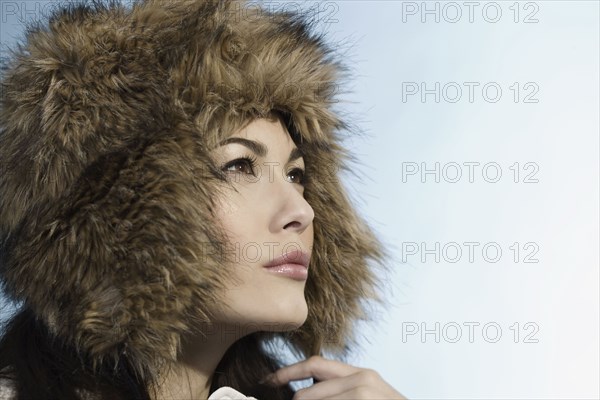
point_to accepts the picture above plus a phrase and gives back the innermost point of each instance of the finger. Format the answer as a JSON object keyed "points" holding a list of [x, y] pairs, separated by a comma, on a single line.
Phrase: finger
{"points": [[352, 394], [366, 381], [316, 367], [330, 387]]}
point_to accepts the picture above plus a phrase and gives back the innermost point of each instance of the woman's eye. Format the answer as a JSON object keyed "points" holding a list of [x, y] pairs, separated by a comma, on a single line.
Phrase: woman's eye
{"points": [[298, 176], [244, 165]]}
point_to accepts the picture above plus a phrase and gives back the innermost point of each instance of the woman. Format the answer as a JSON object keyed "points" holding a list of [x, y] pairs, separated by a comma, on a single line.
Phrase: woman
{"points": [[170, 208]]}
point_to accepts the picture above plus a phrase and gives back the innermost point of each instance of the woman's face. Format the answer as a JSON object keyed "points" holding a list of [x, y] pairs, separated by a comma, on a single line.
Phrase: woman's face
{"points": [[265, 218]]}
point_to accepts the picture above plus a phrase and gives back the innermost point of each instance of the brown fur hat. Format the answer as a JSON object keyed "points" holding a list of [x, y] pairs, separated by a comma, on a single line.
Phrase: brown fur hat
{"points": [[106, 189]]}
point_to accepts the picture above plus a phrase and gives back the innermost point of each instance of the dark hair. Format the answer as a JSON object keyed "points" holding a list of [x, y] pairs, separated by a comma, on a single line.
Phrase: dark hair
{"points": [[42, 366]]}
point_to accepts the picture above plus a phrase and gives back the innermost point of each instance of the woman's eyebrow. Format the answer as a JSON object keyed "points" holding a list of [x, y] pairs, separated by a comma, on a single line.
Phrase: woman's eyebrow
{"points": [[294, 155], [258, 148]]}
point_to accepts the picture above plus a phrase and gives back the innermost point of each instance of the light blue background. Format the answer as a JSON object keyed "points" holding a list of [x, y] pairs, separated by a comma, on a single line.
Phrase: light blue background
{"points": [[559, 134]]}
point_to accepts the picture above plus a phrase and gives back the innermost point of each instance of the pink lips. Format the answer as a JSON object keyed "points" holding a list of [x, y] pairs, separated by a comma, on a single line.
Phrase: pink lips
{"points": [[293, 264]]}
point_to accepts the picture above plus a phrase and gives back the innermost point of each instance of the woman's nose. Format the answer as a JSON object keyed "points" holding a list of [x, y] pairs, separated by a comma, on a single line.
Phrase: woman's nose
{"points": [[293, 211]]}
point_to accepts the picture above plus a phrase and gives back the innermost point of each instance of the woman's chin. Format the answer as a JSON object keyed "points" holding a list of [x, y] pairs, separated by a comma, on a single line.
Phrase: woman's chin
{"points": [[291, 320]]}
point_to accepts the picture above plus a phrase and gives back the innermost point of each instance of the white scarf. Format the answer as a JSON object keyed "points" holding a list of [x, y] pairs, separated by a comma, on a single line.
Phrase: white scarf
{"points": [[228, 393]]}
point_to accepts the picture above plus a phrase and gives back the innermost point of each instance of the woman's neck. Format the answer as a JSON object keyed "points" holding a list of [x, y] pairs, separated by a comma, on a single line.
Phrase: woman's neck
{"points": [[191, 377], [184, 382]]}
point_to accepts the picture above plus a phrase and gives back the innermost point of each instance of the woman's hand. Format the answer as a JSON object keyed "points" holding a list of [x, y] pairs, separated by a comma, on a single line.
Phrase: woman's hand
{"points": [[336, 381]]}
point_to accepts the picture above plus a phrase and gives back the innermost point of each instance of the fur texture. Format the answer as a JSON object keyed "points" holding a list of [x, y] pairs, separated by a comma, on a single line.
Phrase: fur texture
{"points": [[106, 188]]}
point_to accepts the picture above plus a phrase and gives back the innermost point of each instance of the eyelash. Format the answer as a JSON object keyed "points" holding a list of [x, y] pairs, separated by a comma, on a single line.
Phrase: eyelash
{"points": [[251, 161]]}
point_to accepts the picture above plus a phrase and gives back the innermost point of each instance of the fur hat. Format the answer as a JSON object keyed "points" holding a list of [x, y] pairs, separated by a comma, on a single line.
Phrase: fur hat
{"points": [[107, 229]]}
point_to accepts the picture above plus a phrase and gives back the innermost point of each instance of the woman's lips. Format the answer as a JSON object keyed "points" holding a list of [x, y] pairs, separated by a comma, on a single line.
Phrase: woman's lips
{"points": [[295, 271], [293, 264]]}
